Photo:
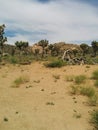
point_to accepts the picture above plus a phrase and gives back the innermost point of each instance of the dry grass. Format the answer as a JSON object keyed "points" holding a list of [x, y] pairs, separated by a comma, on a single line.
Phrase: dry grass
{"points": [[80, 79], [94, 119], [87, 91], [95, 75], [20, 80]]}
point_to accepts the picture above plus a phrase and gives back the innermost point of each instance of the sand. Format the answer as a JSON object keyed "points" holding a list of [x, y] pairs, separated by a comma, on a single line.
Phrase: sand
{"points": [[43, 103]]}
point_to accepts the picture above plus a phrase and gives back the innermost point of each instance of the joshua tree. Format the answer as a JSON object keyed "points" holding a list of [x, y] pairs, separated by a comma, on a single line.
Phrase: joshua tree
{"points": [[21, 45], [3, 39], [94, 47], [85, 48], [36, 53], [50, 47], [55, 49], [43, 44]]}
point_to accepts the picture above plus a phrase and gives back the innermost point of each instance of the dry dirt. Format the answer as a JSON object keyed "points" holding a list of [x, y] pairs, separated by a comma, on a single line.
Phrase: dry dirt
{"points": [[44, 103]]}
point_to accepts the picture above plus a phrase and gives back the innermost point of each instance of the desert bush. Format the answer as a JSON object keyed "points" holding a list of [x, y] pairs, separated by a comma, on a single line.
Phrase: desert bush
{"points": [[94, 118], [93, 100], [95, 75], [89, 61], [80, 79], [13, 60], [87, 91], [87, 66], [53, 64], [20, 80], [95, 59]]}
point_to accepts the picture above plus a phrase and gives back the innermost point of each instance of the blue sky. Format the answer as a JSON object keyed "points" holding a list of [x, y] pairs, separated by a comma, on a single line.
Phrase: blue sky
{"points": [[71, 21]]}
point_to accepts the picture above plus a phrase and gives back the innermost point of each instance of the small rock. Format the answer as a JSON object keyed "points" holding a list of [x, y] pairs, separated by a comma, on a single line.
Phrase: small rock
{"points": [[17, 112], [75, 101], [53, 93], [42, 89], [5, 119], [74, 98], [74, 110]]}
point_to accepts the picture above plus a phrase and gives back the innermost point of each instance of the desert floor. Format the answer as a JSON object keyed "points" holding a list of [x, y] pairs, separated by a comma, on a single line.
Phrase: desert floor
{"points": [[45, 102]]}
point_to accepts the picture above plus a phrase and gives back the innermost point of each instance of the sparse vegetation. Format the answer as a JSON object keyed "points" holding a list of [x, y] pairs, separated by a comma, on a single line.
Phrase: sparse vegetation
{"points": [[87, 66], [21, 80], [94, 118], [93, 100], [95, 75], [51, 55], [80, 79], [87, 91], [53, 64], [13, 60]]}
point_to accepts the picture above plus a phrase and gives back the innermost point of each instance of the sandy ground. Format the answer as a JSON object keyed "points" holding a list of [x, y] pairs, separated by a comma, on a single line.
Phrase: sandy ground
{"points": [[44, 103]]}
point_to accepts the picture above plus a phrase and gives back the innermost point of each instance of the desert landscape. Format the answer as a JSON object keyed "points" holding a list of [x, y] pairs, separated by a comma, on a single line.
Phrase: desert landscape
{"points": [[49, 65], [45, 99]]}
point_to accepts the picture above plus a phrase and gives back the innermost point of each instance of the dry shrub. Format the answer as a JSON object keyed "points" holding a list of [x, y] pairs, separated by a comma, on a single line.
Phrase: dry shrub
{"points": [[20, 80]]}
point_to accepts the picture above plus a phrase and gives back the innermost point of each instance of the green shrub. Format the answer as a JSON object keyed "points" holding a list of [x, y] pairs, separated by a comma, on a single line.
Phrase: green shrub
{"points": [[93, 100], [95, 75], [94, 118], [95, 59], [87, 66], [87, 91], [80, 79], [13, 60], [89, 61], [57, 63]]}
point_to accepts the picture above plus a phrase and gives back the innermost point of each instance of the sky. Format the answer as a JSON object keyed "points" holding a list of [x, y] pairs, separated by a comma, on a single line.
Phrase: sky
{"points": [[70, 21]]}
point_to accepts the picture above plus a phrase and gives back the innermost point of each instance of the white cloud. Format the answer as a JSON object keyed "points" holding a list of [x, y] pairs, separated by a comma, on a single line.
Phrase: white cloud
{"points": [[58, 20]]}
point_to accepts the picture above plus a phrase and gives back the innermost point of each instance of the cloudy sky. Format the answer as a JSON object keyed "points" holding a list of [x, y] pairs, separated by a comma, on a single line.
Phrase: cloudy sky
{"points": [[72, 21]]}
